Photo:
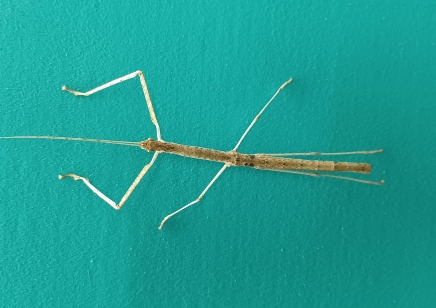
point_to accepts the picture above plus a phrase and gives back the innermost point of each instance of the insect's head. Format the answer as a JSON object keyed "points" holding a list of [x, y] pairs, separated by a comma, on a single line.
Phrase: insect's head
{"points": [[148, 145]]}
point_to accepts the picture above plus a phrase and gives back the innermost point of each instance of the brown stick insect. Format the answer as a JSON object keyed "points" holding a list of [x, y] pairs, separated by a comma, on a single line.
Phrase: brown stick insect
{"points": [[272, 162]]}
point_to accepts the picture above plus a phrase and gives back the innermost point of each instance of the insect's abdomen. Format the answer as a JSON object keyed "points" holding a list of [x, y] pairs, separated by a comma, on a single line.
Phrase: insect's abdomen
{"points": [[268, 162], [353, 167]]}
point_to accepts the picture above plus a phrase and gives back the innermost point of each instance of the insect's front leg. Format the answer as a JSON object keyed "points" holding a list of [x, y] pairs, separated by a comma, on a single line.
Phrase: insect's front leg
{"points": [[103, 196]]}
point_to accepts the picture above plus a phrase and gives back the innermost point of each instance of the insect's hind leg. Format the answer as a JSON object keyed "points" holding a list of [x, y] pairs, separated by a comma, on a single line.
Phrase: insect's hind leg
{"points": [[196, 200], [327, 175], [323, 153], [103, 196], [121, 79]]}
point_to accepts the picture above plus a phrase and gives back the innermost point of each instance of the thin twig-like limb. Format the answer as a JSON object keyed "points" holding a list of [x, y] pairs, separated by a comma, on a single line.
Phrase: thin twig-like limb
{"points": [[103, 196], [129, 143], [322, 153], [260, 113], [196, 200], [329, 176], [121, 79]]}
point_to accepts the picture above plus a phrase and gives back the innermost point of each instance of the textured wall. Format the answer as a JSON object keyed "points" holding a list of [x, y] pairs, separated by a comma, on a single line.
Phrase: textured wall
{"points": [[364, 78]]}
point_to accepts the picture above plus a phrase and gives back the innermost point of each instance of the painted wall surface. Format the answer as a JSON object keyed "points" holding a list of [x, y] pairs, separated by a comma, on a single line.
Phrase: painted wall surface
{"points": [[364, 76]]}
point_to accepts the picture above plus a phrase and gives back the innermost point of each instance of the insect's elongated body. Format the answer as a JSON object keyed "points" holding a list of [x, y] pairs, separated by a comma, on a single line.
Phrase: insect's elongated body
{"points": [[273, 162], [258, 161]]}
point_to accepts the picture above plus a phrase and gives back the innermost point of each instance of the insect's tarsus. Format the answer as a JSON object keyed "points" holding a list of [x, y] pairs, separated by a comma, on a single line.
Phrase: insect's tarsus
{"points": [[273, 162]]}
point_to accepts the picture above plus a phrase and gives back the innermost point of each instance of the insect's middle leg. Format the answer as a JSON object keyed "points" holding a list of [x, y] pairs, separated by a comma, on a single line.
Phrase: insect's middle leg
{"points": [[196, 200], [260, 113]]}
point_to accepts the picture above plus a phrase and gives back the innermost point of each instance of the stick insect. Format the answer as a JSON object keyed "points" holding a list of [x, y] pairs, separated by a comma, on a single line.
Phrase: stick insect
{"points": [[271, 162]]}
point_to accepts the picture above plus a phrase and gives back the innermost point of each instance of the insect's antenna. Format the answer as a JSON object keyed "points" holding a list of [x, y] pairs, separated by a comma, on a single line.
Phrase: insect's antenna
{"points": [[129, 143]]}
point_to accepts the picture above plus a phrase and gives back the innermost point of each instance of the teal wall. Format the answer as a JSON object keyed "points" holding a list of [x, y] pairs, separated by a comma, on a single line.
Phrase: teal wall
{"points": [[364, 76]]}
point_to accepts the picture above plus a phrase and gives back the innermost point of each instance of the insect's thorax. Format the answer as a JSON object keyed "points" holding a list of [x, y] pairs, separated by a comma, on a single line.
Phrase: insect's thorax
{"points": [[187, 150]]}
